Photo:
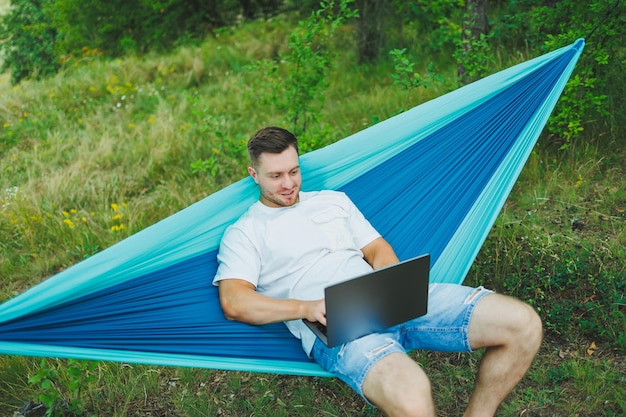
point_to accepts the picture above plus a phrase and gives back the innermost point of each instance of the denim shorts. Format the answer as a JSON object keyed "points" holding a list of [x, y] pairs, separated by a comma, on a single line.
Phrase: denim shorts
{"points": [[444, 329]]}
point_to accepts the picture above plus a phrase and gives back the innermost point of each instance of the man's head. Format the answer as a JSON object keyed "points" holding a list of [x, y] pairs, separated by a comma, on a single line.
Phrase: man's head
{"points": [[270, 140], [275, 167]]}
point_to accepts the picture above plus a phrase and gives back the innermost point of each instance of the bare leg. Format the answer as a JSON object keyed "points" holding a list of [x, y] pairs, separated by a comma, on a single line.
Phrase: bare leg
{"points": [[399, 387], [511, 332]]}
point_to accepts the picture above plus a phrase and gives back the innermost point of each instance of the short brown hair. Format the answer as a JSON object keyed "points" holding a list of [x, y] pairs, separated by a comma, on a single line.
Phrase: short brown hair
{"points": [[270, 139]]}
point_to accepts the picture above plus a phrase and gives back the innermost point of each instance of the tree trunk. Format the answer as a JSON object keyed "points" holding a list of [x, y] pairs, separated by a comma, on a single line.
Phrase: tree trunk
{"points": [[370, 28], [475, 24]]}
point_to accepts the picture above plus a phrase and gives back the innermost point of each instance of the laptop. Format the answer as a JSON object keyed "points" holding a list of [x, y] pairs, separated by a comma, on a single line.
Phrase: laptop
{"points": [[375, 301]]}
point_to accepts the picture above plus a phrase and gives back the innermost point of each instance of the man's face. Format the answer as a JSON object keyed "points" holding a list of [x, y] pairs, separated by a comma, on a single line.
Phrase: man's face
{"points": [[279, 178]]}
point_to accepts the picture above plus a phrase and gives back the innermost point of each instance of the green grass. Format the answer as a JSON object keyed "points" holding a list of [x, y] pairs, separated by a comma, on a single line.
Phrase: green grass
{"points": [[562, 382], [106, 149]]}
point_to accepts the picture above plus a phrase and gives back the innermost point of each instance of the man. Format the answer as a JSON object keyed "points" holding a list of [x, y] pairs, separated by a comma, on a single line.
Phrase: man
{"points": [[276, 260]]}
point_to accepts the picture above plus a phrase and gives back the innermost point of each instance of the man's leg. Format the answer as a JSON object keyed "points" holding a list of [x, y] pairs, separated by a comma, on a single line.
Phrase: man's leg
{"points": [[511, 332], [399, 387], [459, 319], [377, 367]]}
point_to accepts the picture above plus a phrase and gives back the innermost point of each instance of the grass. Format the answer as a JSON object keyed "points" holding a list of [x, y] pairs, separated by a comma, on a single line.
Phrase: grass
{"points": [[106, 149]]}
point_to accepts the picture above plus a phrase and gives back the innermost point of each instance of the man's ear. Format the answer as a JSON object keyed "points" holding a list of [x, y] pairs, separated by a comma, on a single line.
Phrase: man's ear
{"points": [[253, 174]]}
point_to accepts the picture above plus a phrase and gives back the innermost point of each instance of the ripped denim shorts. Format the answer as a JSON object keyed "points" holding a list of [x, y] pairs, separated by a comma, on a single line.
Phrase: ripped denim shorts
{"points": [[443, 329]]}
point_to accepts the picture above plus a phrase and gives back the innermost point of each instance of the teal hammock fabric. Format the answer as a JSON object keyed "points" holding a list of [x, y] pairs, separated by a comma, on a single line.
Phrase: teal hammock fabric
{"points": [[431, 180]]}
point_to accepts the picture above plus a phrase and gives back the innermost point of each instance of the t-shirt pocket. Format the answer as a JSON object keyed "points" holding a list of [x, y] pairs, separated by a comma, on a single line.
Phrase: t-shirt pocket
{"points": [[333, 223]]}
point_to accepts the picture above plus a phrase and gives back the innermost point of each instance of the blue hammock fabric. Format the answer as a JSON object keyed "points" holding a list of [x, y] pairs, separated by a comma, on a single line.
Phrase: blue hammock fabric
{"points": [[431, 180]]}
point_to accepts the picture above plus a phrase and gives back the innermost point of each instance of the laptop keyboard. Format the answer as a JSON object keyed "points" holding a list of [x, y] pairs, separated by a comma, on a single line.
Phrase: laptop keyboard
{"points": [[321, 327]]}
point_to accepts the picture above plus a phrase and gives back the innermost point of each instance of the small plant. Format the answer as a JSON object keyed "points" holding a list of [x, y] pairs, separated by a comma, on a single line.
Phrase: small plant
{"points": [[406, 77], [61, 388], [299, 77], [214, 130], [475, 56]]}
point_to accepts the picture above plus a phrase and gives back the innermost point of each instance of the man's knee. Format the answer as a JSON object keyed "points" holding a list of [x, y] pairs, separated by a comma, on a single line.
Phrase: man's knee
{"points": [[530, 327], [501, 319], [524, 322], [399, 386]]}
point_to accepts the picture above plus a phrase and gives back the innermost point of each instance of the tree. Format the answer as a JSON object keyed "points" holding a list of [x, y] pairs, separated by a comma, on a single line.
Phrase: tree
{"points": [[28, 41], [371, 28], [473, 37], [596, 88]]}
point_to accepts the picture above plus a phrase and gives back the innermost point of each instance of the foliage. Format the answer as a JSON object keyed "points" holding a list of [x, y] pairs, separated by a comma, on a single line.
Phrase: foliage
{"points": [[296, 80], [597, 84], [436, 22], [542, 248], [407, 78], [473, 52], [29, 41], [44, 35], [309, 60], [144, 25], [226, 144], [61, 388], [573, 293]]}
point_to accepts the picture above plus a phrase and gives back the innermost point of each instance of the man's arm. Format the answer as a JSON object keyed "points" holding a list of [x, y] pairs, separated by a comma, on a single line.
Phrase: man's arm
{"points": [[240, 301], [379, 253]]}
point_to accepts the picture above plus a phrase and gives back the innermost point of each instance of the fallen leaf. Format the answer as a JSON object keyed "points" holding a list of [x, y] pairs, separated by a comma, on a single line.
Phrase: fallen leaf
{"points": [[592, 348]]}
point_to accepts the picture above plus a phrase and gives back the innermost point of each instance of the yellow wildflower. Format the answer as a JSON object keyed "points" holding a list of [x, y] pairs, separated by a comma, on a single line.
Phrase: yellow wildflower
{"points": [[69, 223], [580, 180], [118, 228]]}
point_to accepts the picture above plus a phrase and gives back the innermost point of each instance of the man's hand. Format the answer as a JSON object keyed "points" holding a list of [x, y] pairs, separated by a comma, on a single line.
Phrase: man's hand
{"points": [[315, 311]]}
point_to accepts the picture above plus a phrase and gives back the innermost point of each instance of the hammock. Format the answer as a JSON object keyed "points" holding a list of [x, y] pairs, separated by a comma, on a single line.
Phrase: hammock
{"points": [[431, 180]]}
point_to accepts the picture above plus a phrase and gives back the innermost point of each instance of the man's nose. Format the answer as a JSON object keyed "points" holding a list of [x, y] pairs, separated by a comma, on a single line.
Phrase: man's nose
{"points": [[287, 182]]}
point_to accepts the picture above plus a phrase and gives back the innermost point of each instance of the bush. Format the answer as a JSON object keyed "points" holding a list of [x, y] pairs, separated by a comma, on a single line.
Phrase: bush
{"points": [[29, 46], [41, 35], [597, 84]]}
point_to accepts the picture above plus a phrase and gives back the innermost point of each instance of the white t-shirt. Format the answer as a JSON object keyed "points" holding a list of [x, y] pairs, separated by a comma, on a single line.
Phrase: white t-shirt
{"points": [[297, 251]]}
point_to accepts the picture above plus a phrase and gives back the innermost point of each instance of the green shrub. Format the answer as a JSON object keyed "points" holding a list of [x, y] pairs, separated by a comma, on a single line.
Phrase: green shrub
{"points": [[294, 82], [577, 289], [597, 84], [29, 41], [61, 388]]}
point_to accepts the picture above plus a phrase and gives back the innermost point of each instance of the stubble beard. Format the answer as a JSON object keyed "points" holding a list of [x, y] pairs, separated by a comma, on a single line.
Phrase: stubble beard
{"points": [[282, 202]]}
